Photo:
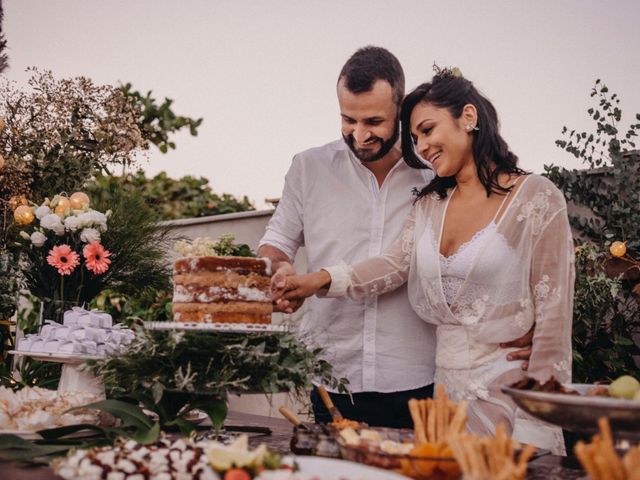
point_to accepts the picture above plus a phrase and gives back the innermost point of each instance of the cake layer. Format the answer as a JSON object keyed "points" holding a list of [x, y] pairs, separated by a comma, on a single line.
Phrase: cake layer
{"points": [[199, 293], [212, 264], [226, 279], [230, 312]]}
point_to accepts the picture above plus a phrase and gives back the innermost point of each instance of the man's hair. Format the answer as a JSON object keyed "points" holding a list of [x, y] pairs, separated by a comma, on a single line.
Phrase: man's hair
{"points": [[370, 64]]}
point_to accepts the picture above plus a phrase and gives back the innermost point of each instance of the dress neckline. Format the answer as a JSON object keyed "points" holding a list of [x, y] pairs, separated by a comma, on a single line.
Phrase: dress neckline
{"points": [[516, 194]]}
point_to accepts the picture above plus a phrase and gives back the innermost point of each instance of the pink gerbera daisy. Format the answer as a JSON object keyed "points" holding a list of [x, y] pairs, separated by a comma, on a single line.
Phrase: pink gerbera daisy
{"points": [[63, 258], [97, 258]]}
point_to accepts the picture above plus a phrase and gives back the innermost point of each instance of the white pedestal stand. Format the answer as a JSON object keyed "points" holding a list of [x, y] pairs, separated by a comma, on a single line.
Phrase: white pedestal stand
{"points": [[74, 377]]}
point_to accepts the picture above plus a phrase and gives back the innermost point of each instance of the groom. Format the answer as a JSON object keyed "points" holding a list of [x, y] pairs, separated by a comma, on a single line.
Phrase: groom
{"points": [[347, 201]]}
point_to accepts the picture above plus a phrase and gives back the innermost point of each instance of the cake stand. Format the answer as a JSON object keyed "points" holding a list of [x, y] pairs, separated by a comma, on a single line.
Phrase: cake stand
{"points": [[74, 378], [219, 327]]}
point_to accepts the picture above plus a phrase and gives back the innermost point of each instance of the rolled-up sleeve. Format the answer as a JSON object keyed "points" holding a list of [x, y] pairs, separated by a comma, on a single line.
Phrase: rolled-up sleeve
{"points": [[285, 228]]}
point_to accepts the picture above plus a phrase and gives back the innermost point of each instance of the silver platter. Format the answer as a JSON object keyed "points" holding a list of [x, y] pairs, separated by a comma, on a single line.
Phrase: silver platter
{"points": [[580, 413], [218, 327]]}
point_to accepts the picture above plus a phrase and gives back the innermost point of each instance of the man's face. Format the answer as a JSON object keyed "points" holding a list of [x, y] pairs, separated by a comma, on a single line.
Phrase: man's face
{"points": [[369, 120]]}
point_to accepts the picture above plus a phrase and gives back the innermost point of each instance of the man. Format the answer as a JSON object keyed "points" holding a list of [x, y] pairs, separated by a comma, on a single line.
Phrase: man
{"points": [[347, 201]]}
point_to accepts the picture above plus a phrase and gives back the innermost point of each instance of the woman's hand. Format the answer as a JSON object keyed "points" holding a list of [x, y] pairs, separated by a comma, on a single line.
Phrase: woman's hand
{"points": [[301, 286], [278, 288]]}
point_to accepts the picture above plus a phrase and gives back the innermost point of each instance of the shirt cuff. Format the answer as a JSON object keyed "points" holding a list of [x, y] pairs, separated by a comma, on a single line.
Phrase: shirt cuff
{"points": [[340, 279]]}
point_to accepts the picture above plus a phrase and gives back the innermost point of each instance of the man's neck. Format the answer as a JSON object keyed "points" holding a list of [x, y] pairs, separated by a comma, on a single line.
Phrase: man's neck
{"points": [[381, 168]]}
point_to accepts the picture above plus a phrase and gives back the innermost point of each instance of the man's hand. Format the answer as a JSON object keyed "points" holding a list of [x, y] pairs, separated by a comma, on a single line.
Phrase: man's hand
{"points": [[524, 343], [278, 285]]}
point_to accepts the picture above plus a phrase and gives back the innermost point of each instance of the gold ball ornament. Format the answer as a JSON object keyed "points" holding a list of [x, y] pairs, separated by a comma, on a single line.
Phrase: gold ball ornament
{"points": [[1, 162], [1, 124], [618, 249], [79, 200], [63, 204], [23, 215], [15, 201]]}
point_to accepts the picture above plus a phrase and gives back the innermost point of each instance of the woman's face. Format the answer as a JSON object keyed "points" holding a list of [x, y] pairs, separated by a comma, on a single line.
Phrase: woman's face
{"points": [[441, 139]]}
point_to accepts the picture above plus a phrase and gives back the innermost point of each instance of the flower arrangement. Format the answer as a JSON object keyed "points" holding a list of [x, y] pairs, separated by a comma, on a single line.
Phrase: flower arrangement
{"points": [[61, 243]]}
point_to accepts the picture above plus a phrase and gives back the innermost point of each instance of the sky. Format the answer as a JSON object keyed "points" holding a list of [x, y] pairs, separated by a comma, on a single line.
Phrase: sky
{"points": [[262, 74]]}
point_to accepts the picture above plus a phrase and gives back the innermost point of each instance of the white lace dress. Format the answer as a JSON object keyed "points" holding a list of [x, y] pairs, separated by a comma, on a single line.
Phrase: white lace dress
{"points": [[517, 271]]}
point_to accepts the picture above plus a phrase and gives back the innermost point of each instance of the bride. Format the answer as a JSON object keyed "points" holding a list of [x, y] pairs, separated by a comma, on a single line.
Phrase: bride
{"points": [[487, 253]]}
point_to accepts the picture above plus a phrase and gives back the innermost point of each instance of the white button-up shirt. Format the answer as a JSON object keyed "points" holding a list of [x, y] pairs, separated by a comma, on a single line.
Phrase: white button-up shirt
{"points": [[332, 205]]}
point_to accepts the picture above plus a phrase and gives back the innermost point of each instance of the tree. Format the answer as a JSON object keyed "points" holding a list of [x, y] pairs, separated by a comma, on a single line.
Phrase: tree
{"points": [[169, 198], [158, 121], [606, 208], [4, 59]]}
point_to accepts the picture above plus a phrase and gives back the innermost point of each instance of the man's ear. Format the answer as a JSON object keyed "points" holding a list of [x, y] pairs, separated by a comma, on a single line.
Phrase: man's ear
{"points": [[469, 116]]}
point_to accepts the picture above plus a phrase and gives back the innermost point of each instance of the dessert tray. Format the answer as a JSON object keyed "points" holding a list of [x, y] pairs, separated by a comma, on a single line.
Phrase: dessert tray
{"points": [[219, 327], [580, 413]]}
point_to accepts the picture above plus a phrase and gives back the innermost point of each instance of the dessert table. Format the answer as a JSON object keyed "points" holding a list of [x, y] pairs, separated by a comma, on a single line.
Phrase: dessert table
{"points": [[548, 467]]}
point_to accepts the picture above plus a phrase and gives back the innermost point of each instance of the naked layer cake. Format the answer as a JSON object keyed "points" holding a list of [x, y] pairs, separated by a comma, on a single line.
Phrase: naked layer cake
{"points": [[228, 289]]}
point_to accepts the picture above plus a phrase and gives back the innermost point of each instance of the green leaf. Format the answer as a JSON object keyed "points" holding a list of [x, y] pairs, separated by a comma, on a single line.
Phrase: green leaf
{"points": [[147, 436], [131, 415], [55, 433], [186, 427], [216, 410]]}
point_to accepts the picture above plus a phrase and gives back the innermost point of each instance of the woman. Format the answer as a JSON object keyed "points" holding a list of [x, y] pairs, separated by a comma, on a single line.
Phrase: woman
{"points": [[487, 252]]}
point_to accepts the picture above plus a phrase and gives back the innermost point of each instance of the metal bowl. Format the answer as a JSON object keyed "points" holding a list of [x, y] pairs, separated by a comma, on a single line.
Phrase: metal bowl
{"points": [[580, 413]]}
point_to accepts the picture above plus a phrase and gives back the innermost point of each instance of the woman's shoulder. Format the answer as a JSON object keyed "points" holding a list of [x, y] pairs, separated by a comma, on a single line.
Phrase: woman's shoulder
{"points": [[541, 185]]}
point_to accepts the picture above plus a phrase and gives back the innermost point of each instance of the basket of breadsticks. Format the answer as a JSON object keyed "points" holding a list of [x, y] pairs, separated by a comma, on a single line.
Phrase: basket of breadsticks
{"points": [[421, 453], [601, 460]]}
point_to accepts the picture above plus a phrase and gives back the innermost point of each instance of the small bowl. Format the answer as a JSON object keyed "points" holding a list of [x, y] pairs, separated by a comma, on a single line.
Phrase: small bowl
{"points": [[414, 466]]}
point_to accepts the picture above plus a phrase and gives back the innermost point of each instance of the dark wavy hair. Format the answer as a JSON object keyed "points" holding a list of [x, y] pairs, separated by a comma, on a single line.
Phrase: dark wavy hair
{"points": [[490, 152], [369, 64]]}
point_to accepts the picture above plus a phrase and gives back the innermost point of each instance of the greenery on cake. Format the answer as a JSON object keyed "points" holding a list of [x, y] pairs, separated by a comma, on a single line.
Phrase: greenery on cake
{"points": [[225, 246]]}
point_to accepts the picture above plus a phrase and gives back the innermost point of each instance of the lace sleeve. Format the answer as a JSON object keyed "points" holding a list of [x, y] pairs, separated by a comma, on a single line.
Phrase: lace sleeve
{"points": [[376, 275], [552, 284]]}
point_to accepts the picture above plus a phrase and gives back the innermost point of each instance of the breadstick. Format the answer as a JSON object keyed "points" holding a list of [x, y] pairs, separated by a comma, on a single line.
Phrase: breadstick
{"points": [[418, 426], [608, 451], [459, 418], [424, 414], [440, 412], [581, 451], [431, 425]]}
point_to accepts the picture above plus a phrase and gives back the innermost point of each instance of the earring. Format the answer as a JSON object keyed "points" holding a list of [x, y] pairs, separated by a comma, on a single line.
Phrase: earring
{"points": [[472, 127]]}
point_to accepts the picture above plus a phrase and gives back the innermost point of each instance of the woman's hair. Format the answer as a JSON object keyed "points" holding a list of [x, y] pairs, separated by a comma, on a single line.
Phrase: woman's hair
{"points": [[448, 89]]}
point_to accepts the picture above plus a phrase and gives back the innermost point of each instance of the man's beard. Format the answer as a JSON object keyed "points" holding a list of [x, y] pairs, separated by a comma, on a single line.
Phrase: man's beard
{"points": [[370, 155]]}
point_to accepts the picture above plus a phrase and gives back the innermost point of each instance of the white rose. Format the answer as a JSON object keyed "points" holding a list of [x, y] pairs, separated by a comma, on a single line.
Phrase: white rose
{"points": [[52, 222], [42, 211], [89, 235], [38, 239], [71, 223], [84, 219], [100, 219]]}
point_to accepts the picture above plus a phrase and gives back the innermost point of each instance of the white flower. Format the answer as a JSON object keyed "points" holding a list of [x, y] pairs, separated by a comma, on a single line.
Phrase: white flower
{"points": [[71, 223], [89, 235], [93, 218], [38, 239], [42, 211], [52, 222]]}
